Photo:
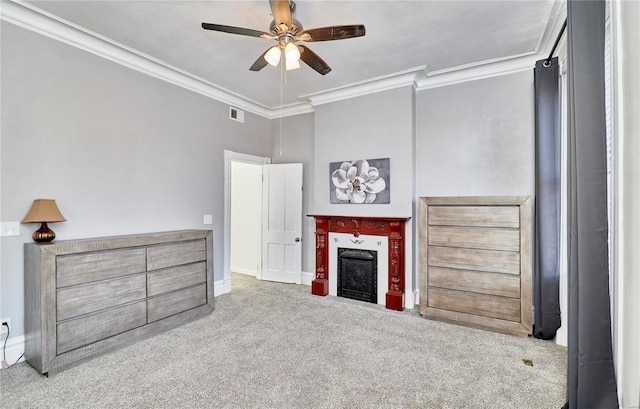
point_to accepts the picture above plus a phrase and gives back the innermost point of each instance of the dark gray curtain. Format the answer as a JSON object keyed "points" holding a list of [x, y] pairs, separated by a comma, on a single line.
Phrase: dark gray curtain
{"points": [[591, 379], [546, 276]]}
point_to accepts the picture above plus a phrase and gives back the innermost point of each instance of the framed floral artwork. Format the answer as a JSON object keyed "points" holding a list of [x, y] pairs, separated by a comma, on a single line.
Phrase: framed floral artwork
{"points": [[360, 181]]}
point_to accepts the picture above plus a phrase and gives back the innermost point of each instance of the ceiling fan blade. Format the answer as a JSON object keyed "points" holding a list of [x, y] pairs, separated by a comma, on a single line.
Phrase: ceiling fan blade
{"points": [[281, 11], [313, 61], [260, 62], [332, 33], [236, 30]]}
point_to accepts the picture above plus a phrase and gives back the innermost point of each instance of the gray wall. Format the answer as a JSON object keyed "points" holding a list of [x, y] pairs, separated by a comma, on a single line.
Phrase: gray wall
{"points": [[379, 125], [132, 154], [367, 127], [476, 138], [467, 139], [119, 151], [295, 145]]}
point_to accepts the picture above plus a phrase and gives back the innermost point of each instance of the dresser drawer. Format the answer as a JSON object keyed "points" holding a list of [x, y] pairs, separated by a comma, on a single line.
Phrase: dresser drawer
{"points": [[174, 278], [101, 265], [477, 304], [82, 331], [169, 255], [505, 262], [88, 298], [479, 216], [172, 303], [475, 238], [506, 285]]}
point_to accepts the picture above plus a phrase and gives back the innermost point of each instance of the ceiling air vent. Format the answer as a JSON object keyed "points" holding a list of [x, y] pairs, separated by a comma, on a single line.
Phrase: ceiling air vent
{"points": [[236, 114]]}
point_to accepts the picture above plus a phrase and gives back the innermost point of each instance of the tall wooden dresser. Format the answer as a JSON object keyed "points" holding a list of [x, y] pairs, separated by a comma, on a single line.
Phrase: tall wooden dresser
{"points": [[476, 262], [87, 297]]}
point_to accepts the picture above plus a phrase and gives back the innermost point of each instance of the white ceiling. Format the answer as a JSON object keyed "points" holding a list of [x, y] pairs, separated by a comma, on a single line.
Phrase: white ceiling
{"points": [[400, 36]]}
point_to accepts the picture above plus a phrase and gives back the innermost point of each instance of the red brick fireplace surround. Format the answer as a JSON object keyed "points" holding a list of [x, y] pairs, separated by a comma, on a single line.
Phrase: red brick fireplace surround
{"points": [[392, 227]]}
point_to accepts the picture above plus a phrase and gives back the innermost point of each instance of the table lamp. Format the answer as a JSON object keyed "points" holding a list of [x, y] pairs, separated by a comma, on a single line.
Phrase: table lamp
{"points": [[44, 211]]}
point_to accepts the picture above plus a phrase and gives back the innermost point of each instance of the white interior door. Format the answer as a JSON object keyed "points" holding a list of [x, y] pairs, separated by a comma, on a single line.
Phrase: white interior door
{"points": [[282, 223]]}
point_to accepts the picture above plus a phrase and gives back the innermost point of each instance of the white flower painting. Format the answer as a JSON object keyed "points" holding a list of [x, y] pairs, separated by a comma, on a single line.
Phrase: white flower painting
{"points": [[360, 181]]}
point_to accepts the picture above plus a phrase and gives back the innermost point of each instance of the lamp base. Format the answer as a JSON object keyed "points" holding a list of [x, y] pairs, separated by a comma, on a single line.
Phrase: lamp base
{"points": [[44, 234]]}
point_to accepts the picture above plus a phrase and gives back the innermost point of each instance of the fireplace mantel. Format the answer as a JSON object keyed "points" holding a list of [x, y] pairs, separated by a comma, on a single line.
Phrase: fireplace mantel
{"points": [[391, 227]]}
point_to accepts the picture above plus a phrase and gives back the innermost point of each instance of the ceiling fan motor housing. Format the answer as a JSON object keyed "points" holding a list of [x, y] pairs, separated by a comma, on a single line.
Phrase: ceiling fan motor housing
{"points": [[279, 30]]}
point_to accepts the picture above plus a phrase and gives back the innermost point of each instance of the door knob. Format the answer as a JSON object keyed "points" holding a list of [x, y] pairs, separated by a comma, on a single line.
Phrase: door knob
{"points": [[297, 239]]}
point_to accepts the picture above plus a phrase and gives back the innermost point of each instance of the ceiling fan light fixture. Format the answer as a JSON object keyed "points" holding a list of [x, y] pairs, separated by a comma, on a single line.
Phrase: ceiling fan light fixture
{"points": [[287, 31], [291, 52], [292, 64], [273, 56]]}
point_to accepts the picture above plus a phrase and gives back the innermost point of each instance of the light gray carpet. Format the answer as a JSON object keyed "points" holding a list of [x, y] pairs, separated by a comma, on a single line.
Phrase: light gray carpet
{"points": [[277, 346]]}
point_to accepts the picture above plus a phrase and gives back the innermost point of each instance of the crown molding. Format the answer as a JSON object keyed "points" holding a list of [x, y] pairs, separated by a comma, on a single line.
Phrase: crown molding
{"points": [[555, 20], [39, 21], [291, 110], [33, 19], [501, 66], [370, 86], [482, 70]]}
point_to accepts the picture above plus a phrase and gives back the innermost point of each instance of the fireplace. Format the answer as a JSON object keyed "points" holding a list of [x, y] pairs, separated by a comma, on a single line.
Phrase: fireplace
{"points": [[383, 234], [376, 246], [358, 274]]}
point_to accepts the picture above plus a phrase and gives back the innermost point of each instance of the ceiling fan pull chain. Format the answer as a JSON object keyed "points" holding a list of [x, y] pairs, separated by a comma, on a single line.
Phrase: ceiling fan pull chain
{"points": [[280, 141]]}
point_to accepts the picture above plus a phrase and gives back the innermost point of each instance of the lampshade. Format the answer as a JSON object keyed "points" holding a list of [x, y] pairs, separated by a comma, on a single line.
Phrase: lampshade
{"points": [[273, 56], [291, 52], [292, 64], [44, 210]]}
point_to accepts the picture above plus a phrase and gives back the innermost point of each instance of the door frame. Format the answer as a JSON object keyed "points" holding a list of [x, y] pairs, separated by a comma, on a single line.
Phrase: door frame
{"points": [[229, 157]]}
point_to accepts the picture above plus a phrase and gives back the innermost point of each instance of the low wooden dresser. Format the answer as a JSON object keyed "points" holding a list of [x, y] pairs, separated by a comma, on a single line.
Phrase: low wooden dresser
{"points": [[87, 297]]}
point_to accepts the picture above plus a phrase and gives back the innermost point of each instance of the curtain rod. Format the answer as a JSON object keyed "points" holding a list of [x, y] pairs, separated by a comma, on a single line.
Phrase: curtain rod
{"points": [[547, 62]]}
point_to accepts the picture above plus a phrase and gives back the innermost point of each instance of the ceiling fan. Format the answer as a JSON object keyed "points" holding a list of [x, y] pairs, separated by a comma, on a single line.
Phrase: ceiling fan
{"points": [[287, 31]]}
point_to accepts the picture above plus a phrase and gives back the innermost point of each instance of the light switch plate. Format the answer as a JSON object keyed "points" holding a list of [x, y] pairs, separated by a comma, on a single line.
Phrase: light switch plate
{"points": [[207, 219], [9, 229]]}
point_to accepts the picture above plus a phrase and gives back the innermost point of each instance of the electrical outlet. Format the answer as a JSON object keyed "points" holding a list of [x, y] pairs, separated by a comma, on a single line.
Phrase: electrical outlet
{"points": [[3, 329]]}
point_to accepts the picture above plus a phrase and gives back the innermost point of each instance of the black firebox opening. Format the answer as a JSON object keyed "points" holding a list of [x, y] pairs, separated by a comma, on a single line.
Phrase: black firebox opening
{"points": [[358, 274]]}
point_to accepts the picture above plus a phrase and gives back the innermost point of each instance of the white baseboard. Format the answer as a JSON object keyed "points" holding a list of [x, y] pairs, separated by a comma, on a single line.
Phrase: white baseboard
{"points": [[221, 287], [246, 271], [307, 277], [15, 348], [413, 299]]}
